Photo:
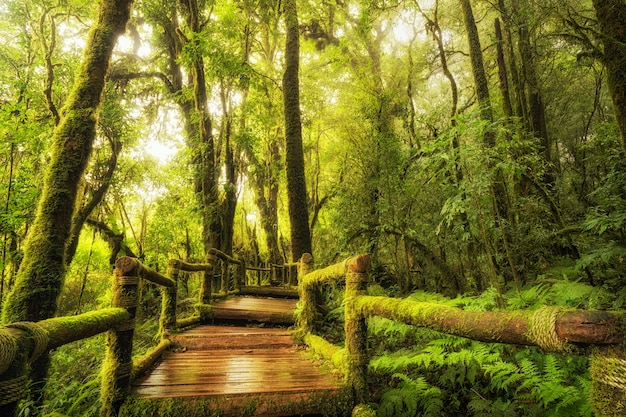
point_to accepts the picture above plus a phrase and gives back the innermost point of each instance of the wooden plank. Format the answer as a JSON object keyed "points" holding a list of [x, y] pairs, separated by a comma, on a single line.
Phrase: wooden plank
{"points": [[268, 310], [231, 337]]}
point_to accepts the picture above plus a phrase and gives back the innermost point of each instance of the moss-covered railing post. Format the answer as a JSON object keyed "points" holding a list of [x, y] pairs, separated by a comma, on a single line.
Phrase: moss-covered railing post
{"points": [[240, 277], [608, 375], [207, 280], [118, 364], [308, 310], [356, 327], [225, 283], [293, 273], [168, 300]]}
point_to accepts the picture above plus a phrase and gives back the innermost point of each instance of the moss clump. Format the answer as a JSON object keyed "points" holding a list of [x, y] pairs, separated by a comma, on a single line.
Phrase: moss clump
{"points": [[204, 311], [333, 353], [608, 390], [363, 410]]}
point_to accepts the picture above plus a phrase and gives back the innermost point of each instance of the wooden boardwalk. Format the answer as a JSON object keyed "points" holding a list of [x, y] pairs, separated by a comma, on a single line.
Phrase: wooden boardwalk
{"points": [[241, 370]]}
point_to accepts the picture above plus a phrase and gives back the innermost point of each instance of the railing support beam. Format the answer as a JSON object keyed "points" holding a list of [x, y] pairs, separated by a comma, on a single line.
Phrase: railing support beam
{"points": [[118, 364], [356, 327]]}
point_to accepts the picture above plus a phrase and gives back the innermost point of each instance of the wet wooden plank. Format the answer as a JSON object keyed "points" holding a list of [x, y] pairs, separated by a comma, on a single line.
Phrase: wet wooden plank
{"points": [[228, 360], [256, 303], [231, 337], [255, 309]]}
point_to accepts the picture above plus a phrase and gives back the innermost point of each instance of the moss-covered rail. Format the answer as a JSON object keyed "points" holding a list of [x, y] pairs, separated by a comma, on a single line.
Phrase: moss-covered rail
{"points": [[22, 343], [598, 334]]}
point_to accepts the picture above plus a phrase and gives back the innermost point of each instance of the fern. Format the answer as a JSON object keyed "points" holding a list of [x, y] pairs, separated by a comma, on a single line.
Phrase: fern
{"points": [[411, 397]]}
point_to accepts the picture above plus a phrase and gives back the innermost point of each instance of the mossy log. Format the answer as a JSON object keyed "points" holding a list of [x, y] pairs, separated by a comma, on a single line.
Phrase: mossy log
{"points": [[59, 331], [141, 365], [167, 320], [188, 321], [118, 364], [322, 347], [192, 267], [551, 328], [309, 281], [24, 342], [131, 266], [224, 257], [359, 263]]}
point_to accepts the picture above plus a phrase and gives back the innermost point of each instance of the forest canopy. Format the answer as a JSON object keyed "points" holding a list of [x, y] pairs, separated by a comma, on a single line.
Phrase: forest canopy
{"points": [[470, 147]]}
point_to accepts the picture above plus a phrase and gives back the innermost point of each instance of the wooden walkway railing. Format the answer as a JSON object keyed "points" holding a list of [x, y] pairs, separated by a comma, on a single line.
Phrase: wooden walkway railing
{"points": [[600, 335], [22, 343], [597, 334]]}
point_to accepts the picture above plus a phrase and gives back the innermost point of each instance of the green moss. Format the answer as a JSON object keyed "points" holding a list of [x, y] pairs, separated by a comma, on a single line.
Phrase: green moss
{"points": [[335, 404], [332, 353], [204, 312], [363, 410], [608, 389]]}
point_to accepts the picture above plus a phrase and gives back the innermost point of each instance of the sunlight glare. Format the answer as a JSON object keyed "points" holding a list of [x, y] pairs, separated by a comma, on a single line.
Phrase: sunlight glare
{"points": [[162, 152], [71, 39], [403, 32]]}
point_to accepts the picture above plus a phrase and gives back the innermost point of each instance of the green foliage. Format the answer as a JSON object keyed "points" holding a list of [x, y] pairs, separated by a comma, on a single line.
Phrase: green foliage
{"points": [[411, 397]]}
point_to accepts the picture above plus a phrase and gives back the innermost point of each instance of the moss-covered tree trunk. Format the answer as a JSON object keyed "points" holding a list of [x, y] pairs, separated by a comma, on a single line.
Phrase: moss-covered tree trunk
{"points": [[294, 158], [611, 16], [41, 274], [478, 70], [536, 117]]}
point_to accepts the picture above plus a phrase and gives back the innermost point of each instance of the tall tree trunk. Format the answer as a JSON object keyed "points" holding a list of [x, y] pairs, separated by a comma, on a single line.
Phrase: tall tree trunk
{"points": [[478, 70], [42, 272], [536, 110], [229, 204], [507, 107], [201, 136], [611, 16], [520, 107], [5, 235], [486, 113], [435, 29], [294, 155], [267, 202], [83, 213]]}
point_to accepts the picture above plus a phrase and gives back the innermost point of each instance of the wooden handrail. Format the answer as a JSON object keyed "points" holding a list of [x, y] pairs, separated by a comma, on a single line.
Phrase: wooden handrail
{"points": [[190, 267], [128, 265], [520, 327], [22, 343], [223, 256]]}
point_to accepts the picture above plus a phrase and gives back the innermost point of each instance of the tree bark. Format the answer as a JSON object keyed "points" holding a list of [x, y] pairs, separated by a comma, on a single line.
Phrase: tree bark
{"points": [[507, 107], [536, 109], [478, 70], [611, 16], [97, 196], [294, 158]]}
